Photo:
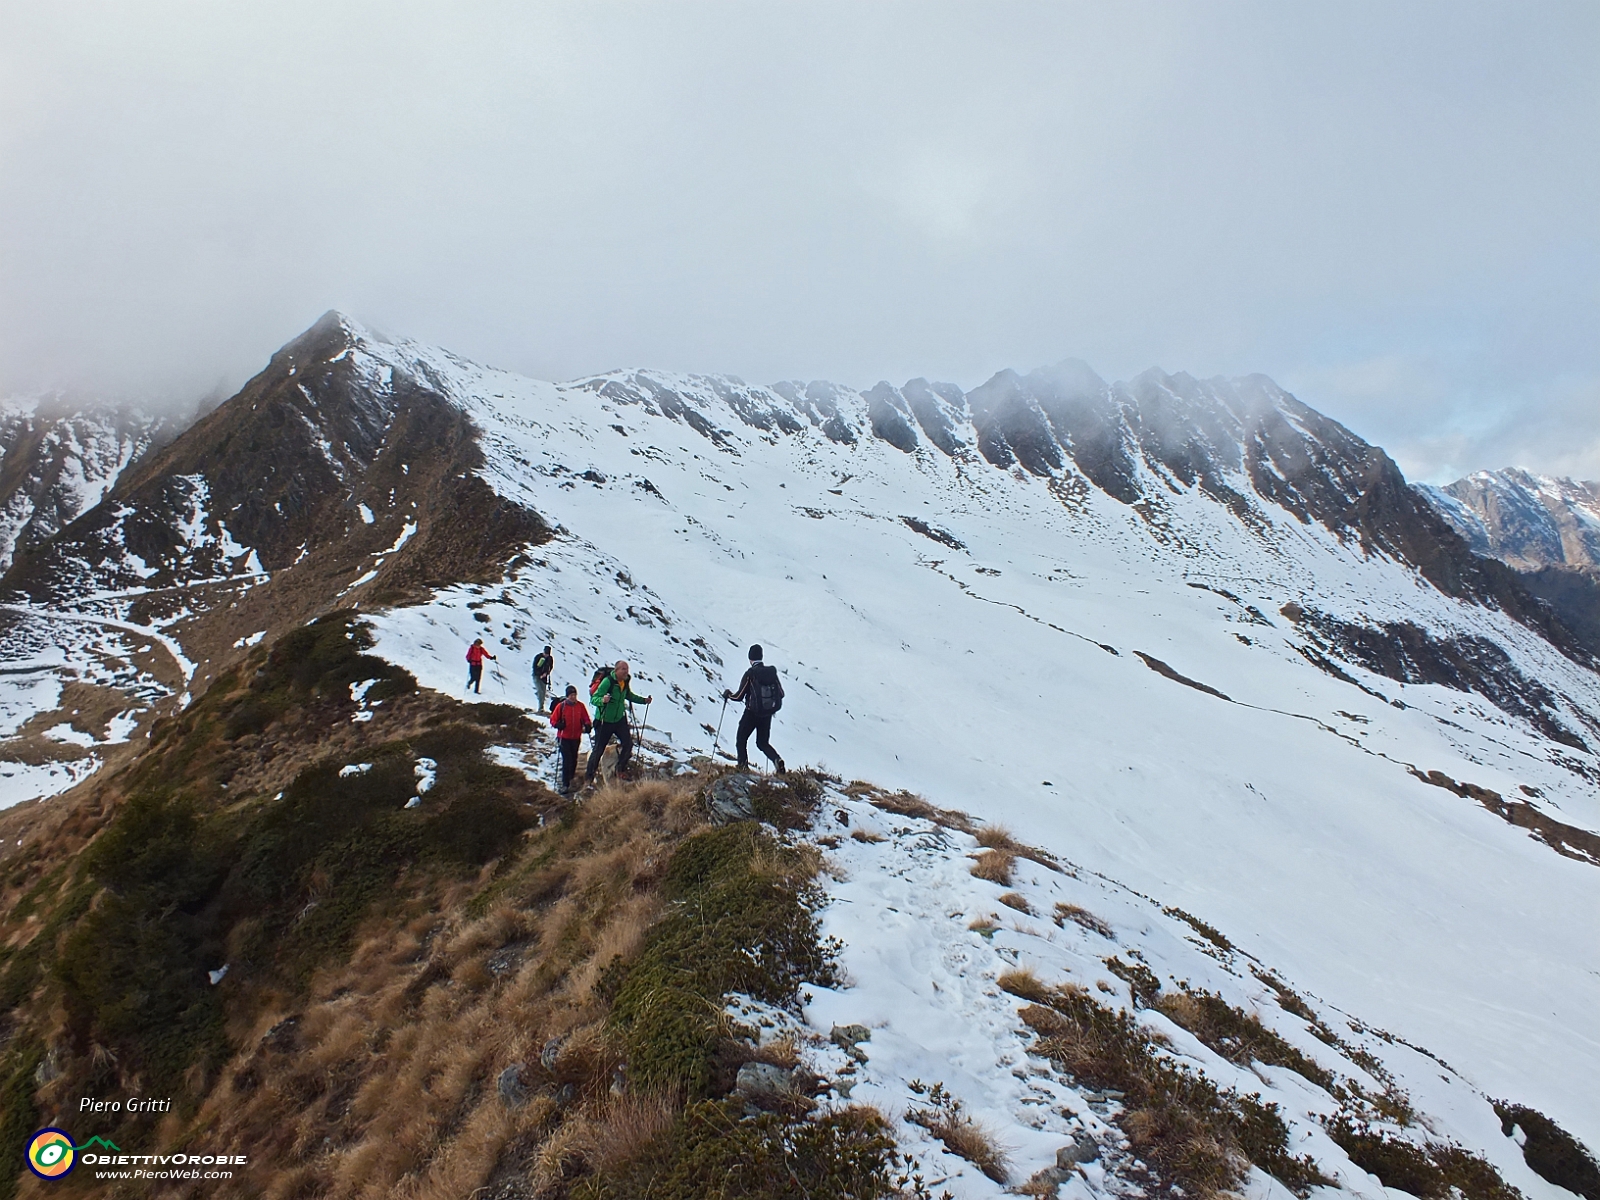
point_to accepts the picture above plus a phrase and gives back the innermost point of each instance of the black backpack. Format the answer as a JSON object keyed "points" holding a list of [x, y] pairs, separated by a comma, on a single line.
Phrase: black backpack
{"points": [[766, 690], [542, 664]]}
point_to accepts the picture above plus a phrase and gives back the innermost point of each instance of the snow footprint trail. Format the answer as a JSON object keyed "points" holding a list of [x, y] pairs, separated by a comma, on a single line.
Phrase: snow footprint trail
{"points": [[924, 943]]}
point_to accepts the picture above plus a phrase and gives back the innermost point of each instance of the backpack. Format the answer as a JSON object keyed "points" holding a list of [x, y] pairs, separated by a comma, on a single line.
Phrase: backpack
{"points": [[541, 665], [767, 691], [600, 676]]}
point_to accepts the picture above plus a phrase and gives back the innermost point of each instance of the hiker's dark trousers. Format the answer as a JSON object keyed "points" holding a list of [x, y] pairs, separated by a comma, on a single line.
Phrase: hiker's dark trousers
{"points": [[604, 731], [759, 724], [475, 677], [569, 761]]}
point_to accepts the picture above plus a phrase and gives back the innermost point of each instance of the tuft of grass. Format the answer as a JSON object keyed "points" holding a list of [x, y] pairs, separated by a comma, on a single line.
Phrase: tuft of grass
{"points": [[1024, 984], [1017, 901], [996, 866], [1085, 918], [867, 836], [1552, 1153], [1236, 1035], [905, 804], [947, 1119]]}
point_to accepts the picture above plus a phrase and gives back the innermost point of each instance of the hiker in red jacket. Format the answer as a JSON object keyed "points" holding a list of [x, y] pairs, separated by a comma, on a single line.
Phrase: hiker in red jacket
{"points": [[571, 720], [476, 653]]}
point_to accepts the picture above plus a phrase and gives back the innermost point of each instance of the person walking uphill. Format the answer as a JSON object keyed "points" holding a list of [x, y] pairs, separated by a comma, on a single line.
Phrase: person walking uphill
{"points": [[544, 663], [611, 699], [476, 653], [571, 720], [762, 694]]}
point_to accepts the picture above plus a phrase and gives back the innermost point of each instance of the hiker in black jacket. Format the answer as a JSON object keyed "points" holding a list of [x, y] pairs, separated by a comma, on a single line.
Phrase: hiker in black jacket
{"points": [[762, 694], [544, 663]]}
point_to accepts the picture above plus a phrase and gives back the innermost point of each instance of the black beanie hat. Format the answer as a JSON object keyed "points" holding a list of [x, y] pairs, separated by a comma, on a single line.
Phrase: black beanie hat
{"points": [[755, 653]]}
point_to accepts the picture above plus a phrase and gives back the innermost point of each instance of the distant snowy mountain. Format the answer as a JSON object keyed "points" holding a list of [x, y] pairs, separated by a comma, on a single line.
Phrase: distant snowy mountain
{"points": [[1547, 529], [1529, 521], [1192, 635], [57, 460]]}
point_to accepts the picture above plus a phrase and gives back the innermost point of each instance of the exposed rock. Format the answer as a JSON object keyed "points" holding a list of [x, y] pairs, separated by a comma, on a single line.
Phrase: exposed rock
{"points": [[1083, 1149], [765, 1085], [728, 799], [513, 1092]]}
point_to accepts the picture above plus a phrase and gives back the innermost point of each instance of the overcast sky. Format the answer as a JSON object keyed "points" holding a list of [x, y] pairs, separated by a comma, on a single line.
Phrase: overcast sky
{"points": [[1393, 209]]}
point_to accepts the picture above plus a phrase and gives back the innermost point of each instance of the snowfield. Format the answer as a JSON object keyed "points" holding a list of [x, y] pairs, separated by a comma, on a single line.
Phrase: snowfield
{"points": [[992, 661], [925, 985]]}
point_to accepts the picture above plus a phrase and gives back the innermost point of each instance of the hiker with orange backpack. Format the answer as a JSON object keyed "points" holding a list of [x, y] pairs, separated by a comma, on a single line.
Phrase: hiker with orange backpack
{"points": [[611, 694]]}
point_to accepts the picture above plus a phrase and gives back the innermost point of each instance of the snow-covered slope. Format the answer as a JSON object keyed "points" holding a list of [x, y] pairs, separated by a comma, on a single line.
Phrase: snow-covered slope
{"points": [[1188, 634], [1026, 646], [927, 950]]}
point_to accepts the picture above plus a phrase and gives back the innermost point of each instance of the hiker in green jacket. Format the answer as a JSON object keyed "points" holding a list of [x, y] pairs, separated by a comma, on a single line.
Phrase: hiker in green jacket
{"points": [[611, 698]]}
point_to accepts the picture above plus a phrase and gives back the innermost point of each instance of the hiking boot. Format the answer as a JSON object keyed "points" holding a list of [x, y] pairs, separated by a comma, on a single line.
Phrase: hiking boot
{"points": [[778, 766], [741, 765]]}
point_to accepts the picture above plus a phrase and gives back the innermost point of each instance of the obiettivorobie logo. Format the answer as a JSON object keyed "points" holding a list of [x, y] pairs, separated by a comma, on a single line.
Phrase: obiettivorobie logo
{"points": [[51, 1153]]}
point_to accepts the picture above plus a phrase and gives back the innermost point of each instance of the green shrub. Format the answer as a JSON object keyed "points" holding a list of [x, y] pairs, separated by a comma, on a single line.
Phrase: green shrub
{"points": [[1188, 1132], [19, 1115], [1552, 1153], [1238, 1036], [713, 1154], [741, 920], [1429, 1172]]}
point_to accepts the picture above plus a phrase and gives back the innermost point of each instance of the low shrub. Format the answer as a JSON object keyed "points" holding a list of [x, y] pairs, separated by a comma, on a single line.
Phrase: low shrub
{"points": [[1192, 1136], [1083, 917], [947, 1119], [1552, 1153], [1236, 1035], [741, 920], [1431, 1172], [1140, 979], [714, 1153]]}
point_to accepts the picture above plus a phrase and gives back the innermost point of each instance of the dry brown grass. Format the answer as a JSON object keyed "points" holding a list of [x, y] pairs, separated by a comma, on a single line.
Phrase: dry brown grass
{"points": [[866, 835], [1022, 982], [1017, 901], [996, 866], [382, 1081]]}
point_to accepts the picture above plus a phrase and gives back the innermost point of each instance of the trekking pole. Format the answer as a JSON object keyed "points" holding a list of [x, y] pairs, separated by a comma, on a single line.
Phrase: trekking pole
{"points": [[718, 737]]}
